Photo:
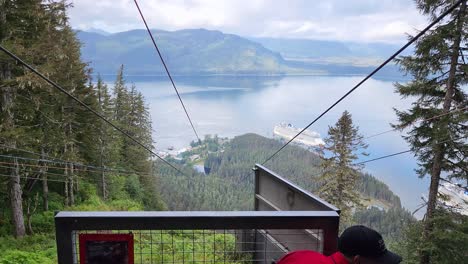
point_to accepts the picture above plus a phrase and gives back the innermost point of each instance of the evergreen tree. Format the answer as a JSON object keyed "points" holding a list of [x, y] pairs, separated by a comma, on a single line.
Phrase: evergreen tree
{"points": [[447, 244], [74, 119], [340, 176], [108, 150], [439, 72], [32, 112], [121, 97], [19, 20], [38, 123], [139, 126]]}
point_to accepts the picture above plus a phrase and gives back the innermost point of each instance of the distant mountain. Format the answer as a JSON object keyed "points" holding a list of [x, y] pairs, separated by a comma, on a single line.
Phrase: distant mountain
{"points": [[310, 48], [196, 51], [200, 51], [335, 57], [98, 31], [304, 48]]}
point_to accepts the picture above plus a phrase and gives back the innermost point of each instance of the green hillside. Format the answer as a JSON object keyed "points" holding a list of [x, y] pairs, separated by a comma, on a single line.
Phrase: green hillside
{"points": [[197, 51], [230, 185], [208, 52], [232, 162]]}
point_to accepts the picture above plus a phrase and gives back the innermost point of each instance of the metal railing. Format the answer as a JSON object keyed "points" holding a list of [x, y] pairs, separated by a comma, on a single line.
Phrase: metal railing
{"points": [[201, 237], [275, 193], [286, 218]]}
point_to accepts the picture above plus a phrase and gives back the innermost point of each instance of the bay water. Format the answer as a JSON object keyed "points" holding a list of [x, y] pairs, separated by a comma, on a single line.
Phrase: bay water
{"points": [[231, 105]]}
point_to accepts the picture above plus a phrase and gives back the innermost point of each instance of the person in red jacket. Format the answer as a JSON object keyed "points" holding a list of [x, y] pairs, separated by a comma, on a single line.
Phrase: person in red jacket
{"points": [[357, 244]]}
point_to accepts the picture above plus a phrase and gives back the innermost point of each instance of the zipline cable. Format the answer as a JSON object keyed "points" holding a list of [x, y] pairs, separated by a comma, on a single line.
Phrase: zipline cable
{"points": [[437, 20], [59, 175], [55, 85], [402, 152], [386, 156], [63, 168], [424, 120], [167, 70], [30, 178], [61, 161]]}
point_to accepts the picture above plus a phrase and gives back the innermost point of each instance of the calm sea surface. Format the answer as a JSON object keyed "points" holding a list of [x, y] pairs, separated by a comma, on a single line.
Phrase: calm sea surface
{"points": [[230, 106]]}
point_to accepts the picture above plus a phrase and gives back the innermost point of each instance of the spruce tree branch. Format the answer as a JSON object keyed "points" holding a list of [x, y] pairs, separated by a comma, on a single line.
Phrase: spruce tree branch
{"points": [[462, 55], [457, 184], [419, 208]]}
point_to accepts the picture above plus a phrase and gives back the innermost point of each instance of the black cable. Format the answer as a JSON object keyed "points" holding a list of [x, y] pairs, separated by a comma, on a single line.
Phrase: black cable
{"points": [[64, 162], [448, 11], [167, 70], [384, 157], [30, 178], [88, 168], [423, 120], [9, 53], [98, 169], [403, 152], [51, 179]]}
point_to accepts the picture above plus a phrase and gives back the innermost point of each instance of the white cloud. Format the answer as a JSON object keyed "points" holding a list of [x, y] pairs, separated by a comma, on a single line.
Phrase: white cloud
{"points": [[358, 20]]}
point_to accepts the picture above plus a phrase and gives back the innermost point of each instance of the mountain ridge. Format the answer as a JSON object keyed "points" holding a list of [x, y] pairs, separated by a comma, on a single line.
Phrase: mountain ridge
{"points": [[212, 52], [185, 51]]}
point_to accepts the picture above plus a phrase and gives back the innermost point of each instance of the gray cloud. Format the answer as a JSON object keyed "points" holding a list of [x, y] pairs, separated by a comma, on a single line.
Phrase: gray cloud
{"points": [[356, 20]]}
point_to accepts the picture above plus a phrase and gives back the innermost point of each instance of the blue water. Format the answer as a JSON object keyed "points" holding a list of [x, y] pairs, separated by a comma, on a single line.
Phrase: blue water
{"points": [[230, 106]]}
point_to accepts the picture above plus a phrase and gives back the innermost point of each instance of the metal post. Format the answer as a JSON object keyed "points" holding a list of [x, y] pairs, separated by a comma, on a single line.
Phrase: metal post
{"points": [[330, 236], [64, 240], [257, 187]]}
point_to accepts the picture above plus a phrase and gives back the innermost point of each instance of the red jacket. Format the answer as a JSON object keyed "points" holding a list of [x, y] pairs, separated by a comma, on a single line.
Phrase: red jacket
{"points": [[312, 257]]}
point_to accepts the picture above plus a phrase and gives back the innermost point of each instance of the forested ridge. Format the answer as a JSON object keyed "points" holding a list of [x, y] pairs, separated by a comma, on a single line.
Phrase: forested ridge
{"points": [[230, 183], [54, 154], [295, 163], [231, 162]]}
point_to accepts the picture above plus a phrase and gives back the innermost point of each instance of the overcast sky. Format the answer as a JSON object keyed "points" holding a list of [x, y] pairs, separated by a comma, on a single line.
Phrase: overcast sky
{"points": [[346, 20]]}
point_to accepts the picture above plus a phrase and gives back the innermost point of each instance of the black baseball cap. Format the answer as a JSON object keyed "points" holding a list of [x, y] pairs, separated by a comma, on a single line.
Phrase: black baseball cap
{"points": [[368, 244]]}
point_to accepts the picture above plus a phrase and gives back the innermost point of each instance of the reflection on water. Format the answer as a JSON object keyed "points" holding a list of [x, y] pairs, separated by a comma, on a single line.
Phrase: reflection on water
{"points": [[230, 106]]}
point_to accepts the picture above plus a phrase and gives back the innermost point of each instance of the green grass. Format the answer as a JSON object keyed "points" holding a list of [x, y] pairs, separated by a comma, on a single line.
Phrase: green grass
{"points": [[38, 248], [189, 246], [149, 246]]}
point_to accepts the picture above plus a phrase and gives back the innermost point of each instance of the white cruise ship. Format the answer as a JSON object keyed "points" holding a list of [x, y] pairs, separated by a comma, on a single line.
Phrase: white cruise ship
{"points": [[308, 138]]}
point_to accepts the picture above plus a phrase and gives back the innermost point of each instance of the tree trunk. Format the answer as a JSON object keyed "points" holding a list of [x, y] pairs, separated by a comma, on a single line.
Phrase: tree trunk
{"points": [[2, 20], [77, 182], [71, 189], [8, 124], [103, 173], [16, 201], [101, 145], [439, 149], [45, 186], [104, 184], [66, 191], [30, 210]]}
